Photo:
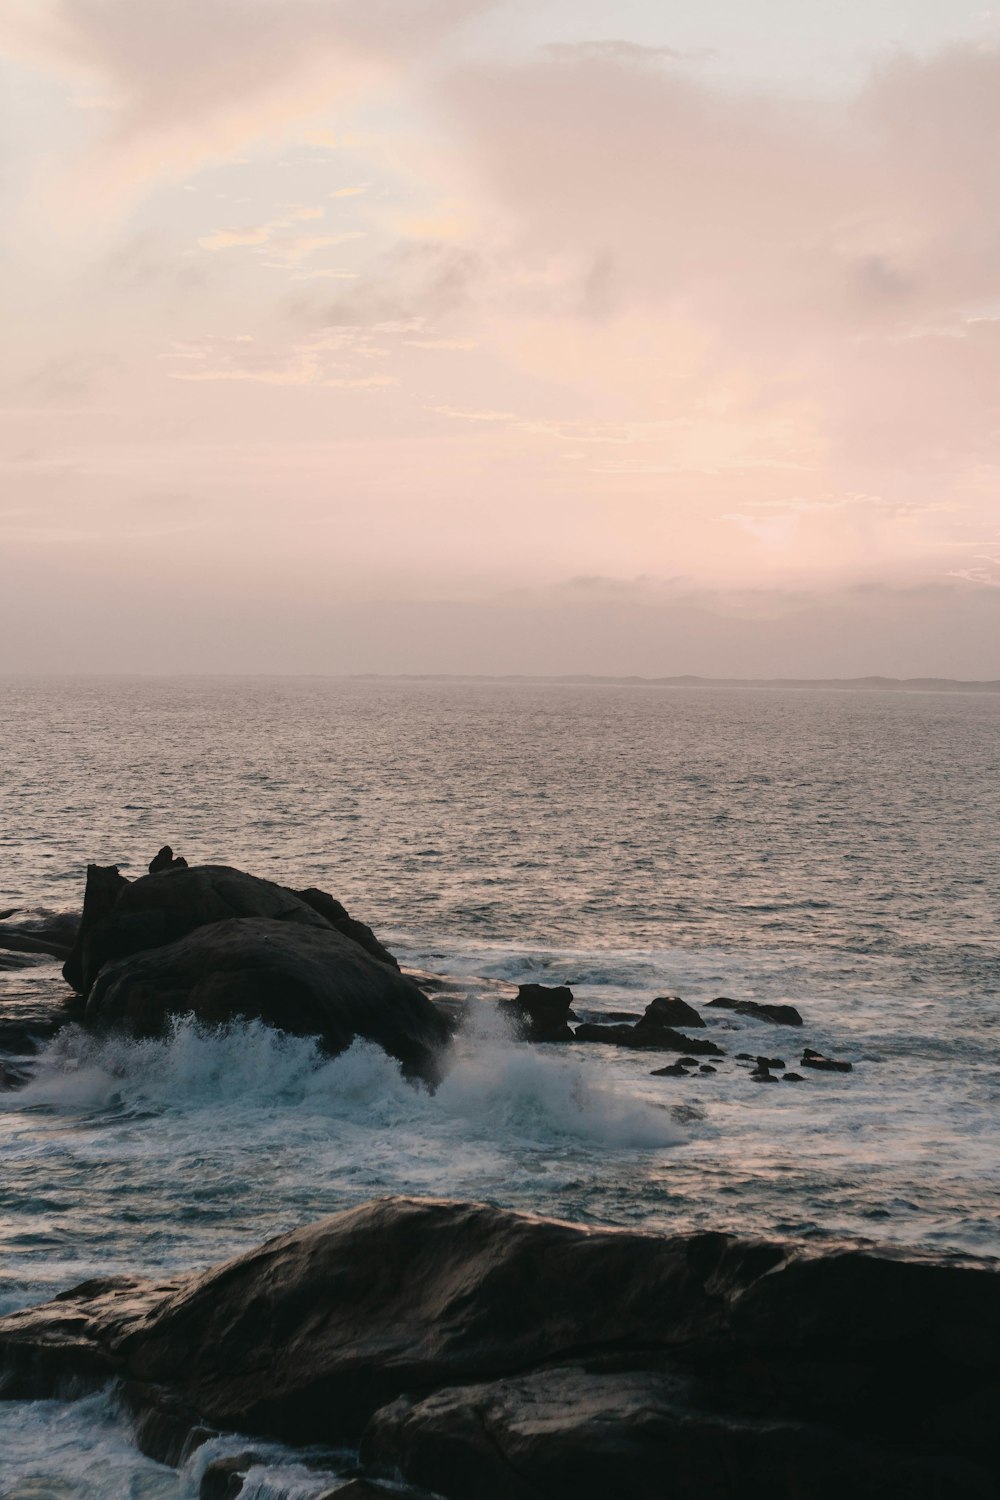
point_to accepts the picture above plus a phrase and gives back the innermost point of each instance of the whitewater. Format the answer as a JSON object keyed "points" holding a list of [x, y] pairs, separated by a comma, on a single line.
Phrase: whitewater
{"points": [[837, 852]]}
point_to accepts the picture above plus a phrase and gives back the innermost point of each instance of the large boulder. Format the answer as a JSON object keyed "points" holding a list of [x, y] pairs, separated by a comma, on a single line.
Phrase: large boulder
{"points": [[122, 917], [483, 1352], [304, 979]]}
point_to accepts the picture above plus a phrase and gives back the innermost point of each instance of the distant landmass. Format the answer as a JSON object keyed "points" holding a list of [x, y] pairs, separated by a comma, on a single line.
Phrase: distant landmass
{"points": [[841, 684]]}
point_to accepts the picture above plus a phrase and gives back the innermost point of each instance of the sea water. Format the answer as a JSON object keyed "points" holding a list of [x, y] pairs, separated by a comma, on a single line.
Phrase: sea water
{"points": [[835, 851]]}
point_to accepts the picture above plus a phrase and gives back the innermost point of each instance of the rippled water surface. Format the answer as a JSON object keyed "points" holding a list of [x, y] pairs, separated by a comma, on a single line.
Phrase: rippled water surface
{"points": [[838, 851]]}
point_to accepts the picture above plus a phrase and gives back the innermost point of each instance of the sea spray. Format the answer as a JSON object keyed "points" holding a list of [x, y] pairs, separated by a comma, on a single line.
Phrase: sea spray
{"points": [[494, 1082]]}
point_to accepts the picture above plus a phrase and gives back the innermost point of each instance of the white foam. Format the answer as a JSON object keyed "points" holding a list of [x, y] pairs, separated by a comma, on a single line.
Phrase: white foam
{"points": [[495, 1083]]}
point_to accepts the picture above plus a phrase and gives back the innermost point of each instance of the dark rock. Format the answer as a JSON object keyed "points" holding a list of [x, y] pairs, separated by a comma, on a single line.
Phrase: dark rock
{"points": [[707, 1068], [770, 1062], [339, 917], [761, 1075], [482, 1352], [28, 943], [671, 1010], [541, 1013], [745, 1057], [223, 1477], [165, 861], [811, 1059], [12, 1076], [688, 1062], [29, 1023], [363, 1489], [620, 1015], [122, 918], [781, 1015], [792, 1078], [672, 1070], [43, 935], [307, 980], [104, 885], [648, 1038]]}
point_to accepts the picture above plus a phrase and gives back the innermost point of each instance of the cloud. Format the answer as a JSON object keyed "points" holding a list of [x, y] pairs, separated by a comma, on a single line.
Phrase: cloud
{"points": [[194, 80]]}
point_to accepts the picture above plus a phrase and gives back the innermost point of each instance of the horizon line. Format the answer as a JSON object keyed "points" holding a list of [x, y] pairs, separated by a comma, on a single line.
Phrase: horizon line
{"points": [[869, 683]]}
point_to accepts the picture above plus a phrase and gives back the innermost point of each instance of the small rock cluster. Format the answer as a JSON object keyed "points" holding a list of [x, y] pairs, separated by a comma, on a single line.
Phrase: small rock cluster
{"points": [[543, 1014]]}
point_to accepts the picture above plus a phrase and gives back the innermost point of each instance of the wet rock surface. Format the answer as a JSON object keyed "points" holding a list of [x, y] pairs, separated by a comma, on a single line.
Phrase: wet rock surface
{"points": [[780, 1015], [651, 1038], [476, 1351], [811, 1059], [303, 979]]}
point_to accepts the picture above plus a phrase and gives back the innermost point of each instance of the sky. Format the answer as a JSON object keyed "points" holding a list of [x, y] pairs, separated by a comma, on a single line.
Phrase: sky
{"points": [[613, 336]]}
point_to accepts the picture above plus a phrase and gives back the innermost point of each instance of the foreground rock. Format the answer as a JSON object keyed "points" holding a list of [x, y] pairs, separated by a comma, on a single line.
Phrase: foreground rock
{"points": [[481, 1352], [307, 980]]}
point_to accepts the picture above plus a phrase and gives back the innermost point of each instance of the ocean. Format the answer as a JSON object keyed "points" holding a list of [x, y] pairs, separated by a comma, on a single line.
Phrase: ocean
{"points": [[839, 851]]}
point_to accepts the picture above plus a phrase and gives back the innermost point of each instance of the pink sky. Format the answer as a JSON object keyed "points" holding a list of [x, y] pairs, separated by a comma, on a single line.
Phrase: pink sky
{"points": [[439, 335]]}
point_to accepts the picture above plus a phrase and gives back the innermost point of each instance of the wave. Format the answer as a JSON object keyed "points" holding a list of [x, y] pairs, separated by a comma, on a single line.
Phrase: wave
{"points": [[495, 1085]]}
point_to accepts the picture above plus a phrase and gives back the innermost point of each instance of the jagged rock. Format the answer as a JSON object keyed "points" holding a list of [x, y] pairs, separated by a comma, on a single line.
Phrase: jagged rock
{"points": [[770, 1062], [648, 1038], [671, 1010], [672, 1070], [105, 884], [307, 980], [542, 1013], [811, 1059], [781, 1015], [166, 860], [482, 1352], [792, 1078]]}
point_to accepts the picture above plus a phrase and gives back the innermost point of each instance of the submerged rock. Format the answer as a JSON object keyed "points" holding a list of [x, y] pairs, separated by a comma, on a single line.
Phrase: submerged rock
{"points": [[811, 1059], [780, 1015], [307, 980], [481, 1352], [542, 1013]]}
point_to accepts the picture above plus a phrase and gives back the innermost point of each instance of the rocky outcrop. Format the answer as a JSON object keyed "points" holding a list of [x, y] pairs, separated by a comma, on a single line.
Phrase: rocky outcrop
{"points": [[647, 1038], [541, 1013], [780, 1015], [304, 979], [478, 1351], [121, 918]]}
